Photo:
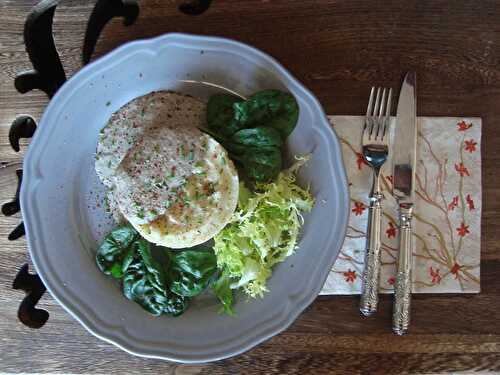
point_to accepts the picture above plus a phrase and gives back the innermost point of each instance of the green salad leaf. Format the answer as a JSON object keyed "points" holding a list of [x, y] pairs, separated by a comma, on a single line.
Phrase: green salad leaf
{"points": [[116, 251], [144, 282], [257, 137], [261, 164], [160, 288], [262, 233], [272, 108], [220, 113], [222, 290], [253, 131], [191, 271]]}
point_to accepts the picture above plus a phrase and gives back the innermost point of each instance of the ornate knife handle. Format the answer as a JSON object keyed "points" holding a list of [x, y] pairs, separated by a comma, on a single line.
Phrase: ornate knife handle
{"points": [[402, 288], [371, 273]]}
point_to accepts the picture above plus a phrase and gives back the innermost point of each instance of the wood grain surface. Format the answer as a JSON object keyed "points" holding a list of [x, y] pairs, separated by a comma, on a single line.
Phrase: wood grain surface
{"points": [[338, 49]]}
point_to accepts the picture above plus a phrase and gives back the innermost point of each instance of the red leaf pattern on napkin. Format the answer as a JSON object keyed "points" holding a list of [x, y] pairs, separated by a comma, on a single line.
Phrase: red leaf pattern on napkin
{"points": [[470, 202], [350, 275], [436, 277], [358, 208], [462, 170], [391, 231], [453, 204], [463, 126], [454, 270], [360, 160], [470, 145], [463, 230]]}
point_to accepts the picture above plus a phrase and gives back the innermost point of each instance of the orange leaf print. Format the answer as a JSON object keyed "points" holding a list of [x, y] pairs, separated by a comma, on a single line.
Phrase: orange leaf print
{"points": [[463, 230], [463, 126], [454, 270], [360, 160], [436, 277], [453, 203], [470, 202], [470, 145], [391, 231], [358, 208], [350, 276], [461, 169]]}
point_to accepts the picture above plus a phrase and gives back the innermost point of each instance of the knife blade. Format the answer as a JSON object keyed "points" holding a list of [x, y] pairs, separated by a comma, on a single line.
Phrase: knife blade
{"points": [[404, 164]]}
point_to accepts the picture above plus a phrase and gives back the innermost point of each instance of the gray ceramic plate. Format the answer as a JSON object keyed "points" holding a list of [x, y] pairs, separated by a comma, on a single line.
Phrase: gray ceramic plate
{"points": [[60, 195]]}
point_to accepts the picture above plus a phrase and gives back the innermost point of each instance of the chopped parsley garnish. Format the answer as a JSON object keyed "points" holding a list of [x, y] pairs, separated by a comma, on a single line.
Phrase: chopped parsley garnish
{"points": [[209, 187], [198, 195], [140, 213], [182, 151], [160, 184]]}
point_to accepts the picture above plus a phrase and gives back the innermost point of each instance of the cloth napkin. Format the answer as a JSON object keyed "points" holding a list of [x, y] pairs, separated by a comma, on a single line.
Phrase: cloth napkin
{"points": [[447, 220]]}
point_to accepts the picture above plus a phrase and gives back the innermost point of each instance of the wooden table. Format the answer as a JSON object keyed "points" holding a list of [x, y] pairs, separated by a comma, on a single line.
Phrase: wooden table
{"points": [[338, 49]]}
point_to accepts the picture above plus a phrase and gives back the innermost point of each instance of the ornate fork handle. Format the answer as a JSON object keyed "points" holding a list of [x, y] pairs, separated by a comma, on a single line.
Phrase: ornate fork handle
{"points": [[371, 273]]}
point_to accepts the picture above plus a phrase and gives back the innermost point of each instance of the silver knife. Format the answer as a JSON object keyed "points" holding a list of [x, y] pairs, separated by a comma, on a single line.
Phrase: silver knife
{"points": [[404, 164]]}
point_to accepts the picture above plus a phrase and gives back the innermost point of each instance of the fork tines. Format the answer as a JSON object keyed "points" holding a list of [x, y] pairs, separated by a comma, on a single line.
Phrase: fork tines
{"points": [[378, 113]]}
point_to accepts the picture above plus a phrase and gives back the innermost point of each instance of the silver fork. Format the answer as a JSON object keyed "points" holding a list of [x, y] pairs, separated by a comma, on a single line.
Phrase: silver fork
{"points": [[375, 144]]}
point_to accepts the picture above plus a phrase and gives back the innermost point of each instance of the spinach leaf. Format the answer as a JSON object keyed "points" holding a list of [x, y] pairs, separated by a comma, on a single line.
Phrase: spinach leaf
{"points": [[253, 131], [159, 288], [225, 141], [222, 290], [272, 108], [144, 282], [197, 263], [191, 271], [257, 137], [188, 286], [220, 113], [258, 150], [261, 164], [115, 251]]}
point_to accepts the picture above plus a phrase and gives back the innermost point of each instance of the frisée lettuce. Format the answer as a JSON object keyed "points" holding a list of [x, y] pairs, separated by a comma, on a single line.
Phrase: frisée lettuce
{"points": [[263, 232]]}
